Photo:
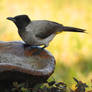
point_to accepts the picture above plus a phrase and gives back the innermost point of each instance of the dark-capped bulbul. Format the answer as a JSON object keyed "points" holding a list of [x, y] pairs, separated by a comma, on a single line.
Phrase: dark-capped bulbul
{"points": [[39, 32]]}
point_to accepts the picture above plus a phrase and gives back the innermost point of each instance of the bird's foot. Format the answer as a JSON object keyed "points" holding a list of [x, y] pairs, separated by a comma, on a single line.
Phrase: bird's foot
{"points": [[26, 45]]}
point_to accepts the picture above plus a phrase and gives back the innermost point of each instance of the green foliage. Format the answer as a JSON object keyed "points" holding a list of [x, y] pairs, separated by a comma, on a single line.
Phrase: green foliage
{"points": [[49, 86]]}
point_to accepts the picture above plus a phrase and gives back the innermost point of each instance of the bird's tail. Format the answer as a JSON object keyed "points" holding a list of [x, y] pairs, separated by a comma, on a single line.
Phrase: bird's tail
{"points": [[73, 29]]}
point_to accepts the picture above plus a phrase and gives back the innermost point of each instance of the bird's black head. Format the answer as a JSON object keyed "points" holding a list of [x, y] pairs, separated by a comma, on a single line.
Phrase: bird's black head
{"points": [[21, 21]]}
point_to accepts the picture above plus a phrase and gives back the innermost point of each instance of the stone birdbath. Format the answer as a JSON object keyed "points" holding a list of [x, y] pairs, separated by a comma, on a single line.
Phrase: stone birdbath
{"points": [[19, 63]]}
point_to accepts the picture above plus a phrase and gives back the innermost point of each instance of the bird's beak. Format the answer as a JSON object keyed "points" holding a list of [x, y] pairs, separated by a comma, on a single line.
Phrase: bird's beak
{"points": [[11, 18]]}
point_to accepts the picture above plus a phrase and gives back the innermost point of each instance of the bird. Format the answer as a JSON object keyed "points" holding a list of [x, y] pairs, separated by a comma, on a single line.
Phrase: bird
{"points": [[39, 32]]}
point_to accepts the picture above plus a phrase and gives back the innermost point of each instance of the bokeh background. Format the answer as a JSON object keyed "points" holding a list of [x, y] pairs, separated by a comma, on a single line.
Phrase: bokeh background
{"points": [[72, 51]]}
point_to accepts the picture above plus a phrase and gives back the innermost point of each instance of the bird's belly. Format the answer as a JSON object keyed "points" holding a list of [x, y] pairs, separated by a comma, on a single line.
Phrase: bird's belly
{"points": [[34, 41], [31, 40], [37, 42]]}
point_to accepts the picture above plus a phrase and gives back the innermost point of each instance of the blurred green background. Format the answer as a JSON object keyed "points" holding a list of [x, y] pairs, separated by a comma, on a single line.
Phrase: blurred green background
{"points": [[72, 51]]}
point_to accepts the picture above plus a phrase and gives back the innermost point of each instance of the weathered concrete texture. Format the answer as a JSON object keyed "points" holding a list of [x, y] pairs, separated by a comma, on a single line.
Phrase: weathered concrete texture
{"points": [[19, 63]]}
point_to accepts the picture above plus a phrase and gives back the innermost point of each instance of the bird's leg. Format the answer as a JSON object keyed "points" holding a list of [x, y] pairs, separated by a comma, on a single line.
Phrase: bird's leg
{"points": [[44, 46]]}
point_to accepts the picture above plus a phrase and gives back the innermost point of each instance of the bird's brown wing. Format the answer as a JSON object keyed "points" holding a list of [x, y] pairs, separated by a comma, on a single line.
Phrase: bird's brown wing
{"points": [[48, 30], [43, 35]]}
